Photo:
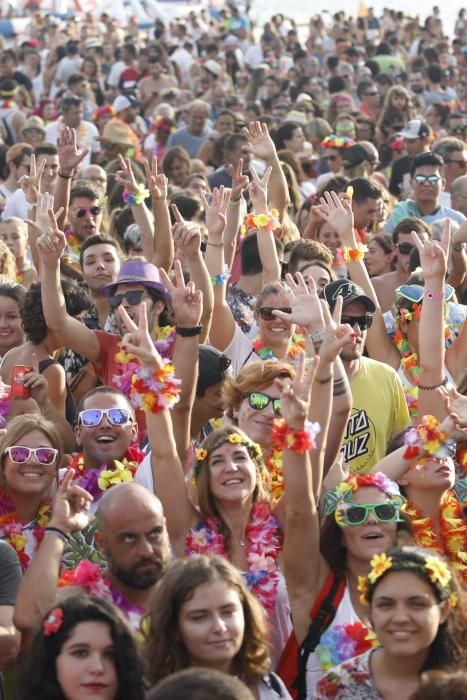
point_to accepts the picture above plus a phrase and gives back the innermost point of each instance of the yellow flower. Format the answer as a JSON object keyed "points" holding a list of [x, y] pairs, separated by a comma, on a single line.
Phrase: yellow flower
{"points": [[18, 542], [362, 587], [235, 439], [340, 516], [453, 600], [438, 570], [201, 454], [112, 477], [349, 191], [343, 487], [379, 564], [261, 220]]}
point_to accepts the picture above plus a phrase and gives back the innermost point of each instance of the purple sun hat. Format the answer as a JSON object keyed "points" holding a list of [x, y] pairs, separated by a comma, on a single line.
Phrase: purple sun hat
{"points": [[139, 272]]}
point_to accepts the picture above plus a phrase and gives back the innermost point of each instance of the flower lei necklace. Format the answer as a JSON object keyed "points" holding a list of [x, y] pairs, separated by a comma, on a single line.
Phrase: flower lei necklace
{"points": [[452, 535], [273, 464], [164, 342], [296, 346], [262, 551], [20, 536], [97, 481], [73, 244]]}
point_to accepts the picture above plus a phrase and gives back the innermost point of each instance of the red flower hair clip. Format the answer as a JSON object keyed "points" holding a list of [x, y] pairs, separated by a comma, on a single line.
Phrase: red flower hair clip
{"points": [[53, 622]]}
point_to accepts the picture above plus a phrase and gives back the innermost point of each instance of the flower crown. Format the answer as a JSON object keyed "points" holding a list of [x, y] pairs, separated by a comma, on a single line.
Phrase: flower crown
{"points": [[253, 449], [334, 141], [162, 124], [343, 493], [438, 573], [53, 622], [102, 112]]}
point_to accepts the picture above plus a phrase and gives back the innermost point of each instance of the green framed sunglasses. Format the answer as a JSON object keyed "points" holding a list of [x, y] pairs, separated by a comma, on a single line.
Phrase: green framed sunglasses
{"points": [[347, 515], [260, 401]]}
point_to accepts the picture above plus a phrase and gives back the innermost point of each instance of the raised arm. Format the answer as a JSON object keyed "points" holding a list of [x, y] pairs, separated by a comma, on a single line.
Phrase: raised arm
{"points": [[433, 259], [258, 191], [50, 247], [223, 322], [169, 478], [187, 237], [163, 253], [134, 194], [39, 584], [69, 158], [235, 211], [337, 211], [265, 149], [187, 304]]}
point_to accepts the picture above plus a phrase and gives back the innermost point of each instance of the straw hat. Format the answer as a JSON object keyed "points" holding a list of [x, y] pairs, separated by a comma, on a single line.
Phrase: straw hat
{"points": [[118, 133]]}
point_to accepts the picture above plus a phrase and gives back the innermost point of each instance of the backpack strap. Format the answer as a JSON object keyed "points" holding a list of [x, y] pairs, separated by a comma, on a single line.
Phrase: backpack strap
{"points": [[322, 615]]}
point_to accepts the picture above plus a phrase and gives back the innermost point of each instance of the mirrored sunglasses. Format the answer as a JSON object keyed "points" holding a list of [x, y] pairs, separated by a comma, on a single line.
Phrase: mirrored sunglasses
{"points": [[427, 179], [260, 401], [21, 454], [91, 417]]}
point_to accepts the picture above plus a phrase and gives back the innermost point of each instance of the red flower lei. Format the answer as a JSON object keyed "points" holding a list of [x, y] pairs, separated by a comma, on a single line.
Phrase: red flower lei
{"points": [[452, 538], [262, 551], [22, 536]]}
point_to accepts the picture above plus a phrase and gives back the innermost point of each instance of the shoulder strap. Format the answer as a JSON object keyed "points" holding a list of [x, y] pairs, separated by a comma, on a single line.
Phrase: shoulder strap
{"points": [[44, 364], [322, 615]]}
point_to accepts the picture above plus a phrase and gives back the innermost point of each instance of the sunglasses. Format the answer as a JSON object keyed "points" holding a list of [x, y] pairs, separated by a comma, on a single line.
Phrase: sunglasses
{"points": [[331, 158], [259, 401], [358, 515], [405, 248], [266, 312], [133, 297], [462, 162], [43, 455], [95, 211], [91, 417], [414, 292], [461, 129], [363, 322], [427, 179]]}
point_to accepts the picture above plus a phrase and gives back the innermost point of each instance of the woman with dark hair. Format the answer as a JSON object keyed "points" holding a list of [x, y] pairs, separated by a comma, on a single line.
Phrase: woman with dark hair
{"points": [[290, 136], [40, 346], [419, 616], [30, 456], [11, 330], [84, 650], [379, 258], [202, 614], [176, 165]]}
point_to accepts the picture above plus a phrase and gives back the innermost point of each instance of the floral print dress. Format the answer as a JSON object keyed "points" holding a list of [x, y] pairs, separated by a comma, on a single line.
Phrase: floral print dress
{"points": [[351, 680]]}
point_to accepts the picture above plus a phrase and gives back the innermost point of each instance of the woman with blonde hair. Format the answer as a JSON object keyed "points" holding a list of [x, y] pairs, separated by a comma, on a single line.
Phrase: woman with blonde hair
{"points": [[399, 97]]}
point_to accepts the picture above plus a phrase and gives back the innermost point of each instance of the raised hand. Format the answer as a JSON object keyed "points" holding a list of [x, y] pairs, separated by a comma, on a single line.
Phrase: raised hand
{"points": [[31, 184], [295, 395], [69, 156], [71, 508], [259, 138], [137, 340], [37, 384], [125, 175], [258, 190], [338, 213], [157, 182], [240, 181], [336, 334], [455, 405], [51, 242], [187, 301], [305, 304], [434, 254], [216, 212], [186, 234]]}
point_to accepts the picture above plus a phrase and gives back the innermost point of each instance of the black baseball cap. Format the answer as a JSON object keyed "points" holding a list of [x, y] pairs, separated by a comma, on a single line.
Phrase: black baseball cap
{"points": [[213, 368], [349, 291]]}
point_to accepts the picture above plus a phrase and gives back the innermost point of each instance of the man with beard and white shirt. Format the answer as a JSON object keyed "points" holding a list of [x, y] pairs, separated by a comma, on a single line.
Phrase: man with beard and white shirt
{"points": [[131, 534], [378, 403]]}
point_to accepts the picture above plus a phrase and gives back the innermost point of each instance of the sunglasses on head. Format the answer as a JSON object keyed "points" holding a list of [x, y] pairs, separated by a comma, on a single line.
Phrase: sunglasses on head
{"points": [[43, 455], [414, 292], [358, 514], [427, 179], [266, 312], [95, 211], [405, 248], [260, 401], [363, 322], [91, 417], [133, 297]]}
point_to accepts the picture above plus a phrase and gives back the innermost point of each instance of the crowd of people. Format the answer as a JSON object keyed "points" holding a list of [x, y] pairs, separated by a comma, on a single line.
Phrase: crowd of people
{"points": [[233, 340]]}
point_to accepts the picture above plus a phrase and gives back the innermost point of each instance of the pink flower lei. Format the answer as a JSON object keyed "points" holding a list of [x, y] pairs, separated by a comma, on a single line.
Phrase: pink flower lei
{"points": [[262, 551]]}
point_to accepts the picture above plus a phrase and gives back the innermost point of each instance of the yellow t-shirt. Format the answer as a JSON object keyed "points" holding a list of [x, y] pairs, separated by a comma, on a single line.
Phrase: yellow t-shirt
{"points": [[379, 410]]}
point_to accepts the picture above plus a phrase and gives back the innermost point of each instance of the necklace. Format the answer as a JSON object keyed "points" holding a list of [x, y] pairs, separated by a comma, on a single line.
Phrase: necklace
{"points": [[23, 537], [296, 345], [451, 540], [97, 481], [73, 245], [273, 465], [262, 539]]}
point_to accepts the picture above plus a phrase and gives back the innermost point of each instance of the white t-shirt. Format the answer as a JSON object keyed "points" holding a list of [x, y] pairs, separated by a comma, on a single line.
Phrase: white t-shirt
{"points": [[240, 350]]}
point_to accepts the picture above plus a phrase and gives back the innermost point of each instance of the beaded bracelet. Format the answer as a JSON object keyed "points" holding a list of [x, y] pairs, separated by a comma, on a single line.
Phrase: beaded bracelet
{"points": [[155, 390], [267, 222], [220, 279], [426, 438], [354, 254], [135, 197], [299, 441], [437, 296]]}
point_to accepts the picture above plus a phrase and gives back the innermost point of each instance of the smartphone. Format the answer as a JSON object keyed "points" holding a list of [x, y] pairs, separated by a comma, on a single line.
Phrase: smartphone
{"points": [[18, 390]]}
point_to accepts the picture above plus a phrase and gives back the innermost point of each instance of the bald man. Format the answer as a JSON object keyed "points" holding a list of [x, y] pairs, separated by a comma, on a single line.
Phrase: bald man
{"points": [[132, 535]]}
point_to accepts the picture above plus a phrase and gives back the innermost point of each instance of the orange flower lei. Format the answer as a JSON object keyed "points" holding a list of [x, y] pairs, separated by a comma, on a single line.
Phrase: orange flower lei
{"points": [[273, 465], [452, 538]]}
